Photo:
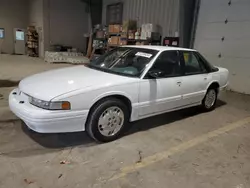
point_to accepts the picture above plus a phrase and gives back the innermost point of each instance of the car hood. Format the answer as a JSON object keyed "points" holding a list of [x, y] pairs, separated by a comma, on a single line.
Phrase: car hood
{"points": [[50, 84]]}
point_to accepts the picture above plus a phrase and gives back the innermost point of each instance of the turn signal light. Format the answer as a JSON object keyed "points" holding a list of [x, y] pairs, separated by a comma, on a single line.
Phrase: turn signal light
{"points": [[65, 105]]}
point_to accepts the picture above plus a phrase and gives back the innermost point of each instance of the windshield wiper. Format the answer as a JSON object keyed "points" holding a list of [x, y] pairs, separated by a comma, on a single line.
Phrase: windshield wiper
{"points": [[119, 58]]}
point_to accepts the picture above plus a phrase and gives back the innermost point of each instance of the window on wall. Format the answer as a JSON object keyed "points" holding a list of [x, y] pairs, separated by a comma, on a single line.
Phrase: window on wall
{"points": [[19, 35], [1, 33], [114, 13]]}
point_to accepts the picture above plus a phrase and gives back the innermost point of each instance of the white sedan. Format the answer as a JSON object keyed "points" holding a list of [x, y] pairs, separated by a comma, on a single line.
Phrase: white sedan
{"points": [[124, 85]]}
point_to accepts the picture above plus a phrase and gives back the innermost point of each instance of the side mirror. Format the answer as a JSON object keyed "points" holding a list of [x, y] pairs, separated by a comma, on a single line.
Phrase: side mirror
{"points": [[155, 73]]}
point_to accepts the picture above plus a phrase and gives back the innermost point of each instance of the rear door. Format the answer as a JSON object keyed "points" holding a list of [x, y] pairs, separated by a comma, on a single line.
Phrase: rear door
{"points": [[195, 79]]}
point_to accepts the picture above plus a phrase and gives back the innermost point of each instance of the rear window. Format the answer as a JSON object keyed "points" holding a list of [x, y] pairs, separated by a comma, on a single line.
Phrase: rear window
{"points": [[208, 65]]}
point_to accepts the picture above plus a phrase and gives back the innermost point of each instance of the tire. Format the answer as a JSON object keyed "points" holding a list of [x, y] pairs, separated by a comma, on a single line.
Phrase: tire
{"points": [[101, 114], [210, 99]]}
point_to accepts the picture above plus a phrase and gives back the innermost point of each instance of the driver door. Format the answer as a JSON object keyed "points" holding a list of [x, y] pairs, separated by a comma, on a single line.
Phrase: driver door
{"points": [[162, 93]]}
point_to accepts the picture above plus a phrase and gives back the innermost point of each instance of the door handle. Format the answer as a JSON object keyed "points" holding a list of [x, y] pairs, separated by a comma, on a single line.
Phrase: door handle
{"points": [[179, 83], [205, 78]]}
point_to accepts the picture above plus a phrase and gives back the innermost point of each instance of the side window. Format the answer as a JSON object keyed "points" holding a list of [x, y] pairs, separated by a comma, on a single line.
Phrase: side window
{"points": [[192, 64], [168, 63]]}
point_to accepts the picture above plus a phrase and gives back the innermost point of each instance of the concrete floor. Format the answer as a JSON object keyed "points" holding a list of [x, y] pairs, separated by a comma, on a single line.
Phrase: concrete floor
{"points": [[181, 149], [17, 67]]}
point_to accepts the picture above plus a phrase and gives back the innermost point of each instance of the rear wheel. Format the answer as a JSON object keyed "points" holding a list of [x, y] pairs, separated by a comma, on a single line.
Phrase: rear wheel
{"points": [[210, 99], [107, 120]]}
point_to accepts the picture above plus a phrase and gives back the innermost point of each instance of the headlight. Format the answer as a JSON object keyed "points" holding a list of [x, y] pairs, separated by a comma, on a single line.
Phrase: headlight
{"points": [[60, 105]]}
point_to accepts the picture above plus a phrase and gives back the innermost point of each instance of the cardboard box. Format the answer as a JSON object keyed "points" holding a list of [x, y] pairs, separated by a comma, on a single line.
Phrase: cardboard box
{"points": [[111, 28], [116, 28], [113, 40], [123, 41]]}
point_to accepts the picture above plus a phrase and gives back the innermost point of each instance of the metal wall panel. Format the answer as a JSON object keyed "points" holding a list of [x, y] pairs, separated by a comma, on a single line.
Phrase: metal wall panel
{"points": [[162, 12]]}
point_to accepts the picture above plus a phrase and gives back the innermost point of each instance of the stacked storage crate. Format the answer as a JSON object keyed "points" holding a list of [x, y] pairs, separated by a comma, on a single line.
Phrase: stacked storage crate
{"points": [[120, 34]]}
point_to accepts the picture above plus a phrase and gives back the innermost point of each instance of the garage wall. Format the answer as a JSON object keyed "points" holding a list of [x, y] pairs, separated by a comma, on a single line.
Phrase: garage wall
{"points": [[162, 12], [68, 22], [36, 19], [57, 21], [223, 36], [13, 14]]}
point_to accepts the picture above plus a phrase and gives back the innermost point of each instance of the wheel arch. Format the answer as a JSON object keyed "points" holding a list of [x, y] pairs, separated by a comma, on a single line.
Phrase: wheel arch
{"points": [[126, 100], [214, 85]]}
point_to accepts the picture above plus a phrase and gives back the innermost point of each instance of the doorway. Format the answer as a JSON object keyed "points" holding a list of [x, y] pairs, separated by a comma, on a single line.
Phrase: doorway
{"points": [[19, 41]]}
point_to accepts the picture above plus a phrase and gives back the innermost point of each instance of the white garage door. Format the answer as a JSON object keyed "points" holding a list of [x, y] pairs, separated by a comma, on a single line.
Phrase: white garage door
{"points": [[223, 37]]}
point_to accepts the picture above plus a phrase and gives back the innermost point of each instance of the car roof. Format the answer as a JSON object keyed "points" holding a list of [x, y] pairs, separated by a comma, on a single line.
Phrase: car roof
{"points": [[159, 48]]}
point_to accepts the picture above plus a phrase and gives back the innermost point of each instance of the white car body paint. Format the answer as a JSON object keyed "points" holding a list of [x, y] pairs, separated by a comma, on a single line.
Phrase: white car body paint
{"points": [[83, 87]]}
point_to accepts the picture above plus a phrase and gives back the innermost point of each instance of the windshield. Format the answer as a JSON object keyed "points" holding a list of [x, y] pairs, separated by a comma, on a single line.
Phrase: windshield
{"points": [[124, 61]]}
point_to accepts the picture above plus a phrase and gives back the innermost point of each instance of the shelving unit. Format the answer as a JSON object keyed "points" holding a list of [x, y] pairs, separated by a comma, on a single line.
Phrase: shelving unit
{"points": [[113, 34], [122, 35], [116, 34], [126, 36], [134, 41], [32, 42]]}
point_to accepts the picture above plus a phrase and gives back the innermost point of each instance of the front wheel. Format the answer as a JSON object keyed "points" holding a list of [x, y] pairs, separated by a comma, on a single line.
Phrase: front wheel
{"points": [[209, 101], [107, 120]]}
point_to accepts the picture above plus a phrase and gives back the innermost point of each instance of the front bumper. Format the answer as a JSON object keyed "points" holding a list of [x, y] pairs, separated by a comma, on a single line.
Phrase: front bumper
{"points": [[46, 121], [224, 87]]}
